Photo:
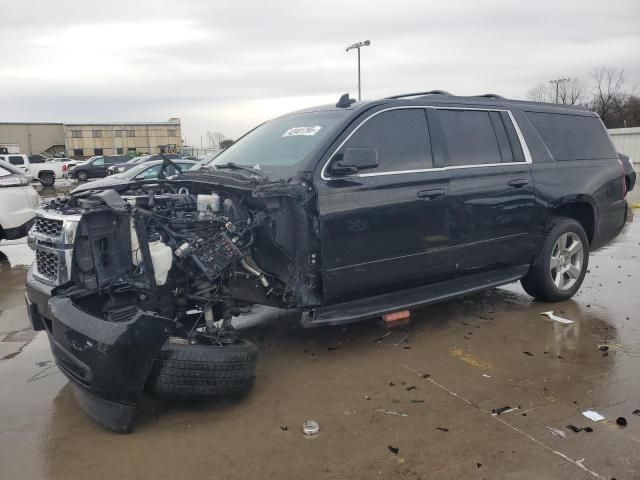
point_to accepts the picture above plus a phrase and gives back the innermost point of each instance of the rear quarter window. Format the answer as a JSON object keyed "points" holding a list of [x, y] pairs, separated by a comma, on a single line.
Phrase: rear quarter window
{"points": [[573, 137]]}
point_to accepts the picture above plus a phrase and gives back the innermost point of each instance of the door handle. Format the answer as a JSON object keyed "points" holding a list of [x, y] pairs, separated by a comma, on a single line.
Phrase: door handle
{"points": [[518, 182], [431, 194]]}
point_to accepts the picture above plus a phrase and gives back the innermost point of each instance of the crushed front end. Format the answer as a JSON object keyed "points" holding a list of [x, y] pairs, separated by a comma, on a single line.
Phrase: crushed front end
{"points": [[117, 274]]}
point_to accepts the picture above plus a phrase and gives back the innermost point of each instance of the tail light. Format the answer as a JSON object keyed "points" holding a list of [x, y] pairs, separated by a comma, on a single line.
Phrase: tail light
{"points": [[624, 179], [64, 167]]}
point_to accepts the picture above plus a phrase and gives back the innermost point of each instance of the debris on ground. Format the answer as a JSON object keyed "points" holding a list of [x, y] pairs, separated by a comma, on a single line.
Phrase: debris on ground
{"points": [[501, 410], [442, 429], [486, 376], [310, 428], [636, 412], [575, 429], [556, 318], [556, 432], [284, 428], [417, 401], [603, 348], [621, 421], [412, 387], [591, 415], [528, 353], [391, 412], [393, 450]]}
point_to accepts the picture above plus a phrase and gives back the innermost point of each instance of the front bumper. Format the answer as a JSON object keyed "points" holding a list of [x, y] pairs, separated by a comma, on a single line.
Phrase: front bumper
{"points": [[107, 362], [18, 232]]}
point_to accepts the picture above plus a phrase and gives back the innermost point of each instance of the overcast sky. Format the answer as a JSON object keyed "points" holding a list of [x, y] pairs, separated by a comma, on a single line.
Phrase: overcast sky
{"points": [[228, 65]]}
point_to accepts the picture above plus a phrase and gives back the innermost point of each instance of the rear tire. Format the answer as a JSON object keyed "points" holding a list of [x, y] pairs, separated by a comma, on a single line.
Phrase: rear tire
{"points": [[47, 179], [560, 266], [197, 372], [81, 176]]}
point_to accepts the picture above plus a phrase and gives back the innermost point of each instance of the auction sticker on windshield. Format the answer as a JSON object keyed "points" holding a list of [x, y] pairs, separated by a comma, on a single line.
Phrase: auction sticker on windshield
{"points": [[302, 131]]}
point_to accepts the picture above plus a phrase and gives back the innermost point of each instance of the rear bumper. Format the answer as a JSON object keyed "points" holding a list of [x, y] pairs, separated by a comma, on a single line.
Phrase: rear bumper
{"points": [[107, 362]]}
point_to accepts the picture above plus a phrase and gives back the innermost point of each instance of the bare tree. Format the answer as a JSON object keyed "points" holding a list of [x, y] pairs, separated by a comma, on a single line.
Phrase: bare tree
{"points": [[219, 137], [608, 99], [211, 139], [569, 92]]}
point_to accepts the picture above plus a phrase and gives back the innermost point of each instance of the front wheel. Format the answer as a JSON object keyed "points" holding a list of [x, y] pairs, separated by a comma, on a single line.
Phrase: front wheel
{"points": [[199, 372], [561, 264], [82, 176], [47, 179]]}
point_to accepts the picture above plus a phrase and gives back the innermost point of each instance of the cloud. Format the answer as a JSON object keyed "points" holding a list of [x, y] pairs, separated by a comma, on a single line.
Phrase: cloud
{"points": [[228, 65]]}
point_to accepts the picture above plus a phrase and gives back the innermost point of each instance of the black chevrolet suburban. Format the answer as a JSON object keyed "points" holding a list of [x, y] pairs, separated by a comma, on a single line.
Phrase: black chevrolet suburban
{"points": [[341, 212]]}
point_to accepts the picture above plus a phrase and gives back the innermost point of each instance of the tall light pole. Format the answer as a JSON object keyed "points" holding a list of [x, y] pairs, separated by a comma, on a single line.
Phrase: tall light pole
{"points": [[357, 46], [557, 82]]}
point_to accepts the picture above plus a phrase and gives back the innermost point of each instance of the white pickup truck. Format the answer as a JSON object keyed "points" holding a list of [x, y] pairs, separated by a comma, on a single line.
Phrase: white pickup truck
{"points": [[45, 172]]}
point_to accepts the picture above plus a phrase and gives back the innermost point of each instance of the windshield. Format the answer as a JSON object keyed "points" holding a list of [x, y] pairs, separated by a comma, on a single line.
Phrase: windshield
{"points": [[280, 144]]}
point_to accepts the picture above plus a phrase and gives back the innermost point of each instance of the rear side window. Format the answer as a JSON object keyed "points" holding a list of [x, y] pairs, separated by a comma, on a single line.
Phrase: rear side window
{"points": [[470, 137], [401, 138], [16, 160], [573, 137]]}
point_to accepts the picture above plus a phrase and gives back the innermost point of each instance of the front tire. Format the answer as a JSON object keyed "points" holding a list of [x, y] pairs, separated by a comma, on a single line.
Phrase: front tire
{"points": [[81, 176], [560, 266], [199, 372], [47, 179]]}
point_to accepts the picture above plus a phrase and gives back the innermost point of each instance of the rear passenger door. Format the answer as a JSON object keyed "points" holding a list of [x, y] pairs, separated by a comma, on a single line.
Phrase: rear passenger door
{"points": [[384, 229], [491, 194]]}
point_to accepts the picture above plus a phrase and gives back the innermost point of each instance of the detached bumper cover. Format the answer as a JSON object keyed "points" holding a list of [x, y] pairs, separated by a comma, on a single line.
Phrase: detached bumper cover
{"points": [[107, 362]]}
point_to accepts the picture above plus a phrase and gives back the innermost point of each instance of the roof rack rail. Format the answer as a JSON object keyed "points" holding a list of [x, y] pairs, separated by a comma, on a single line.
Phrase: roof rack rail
{"points": [[490, 95], [430, 92]]}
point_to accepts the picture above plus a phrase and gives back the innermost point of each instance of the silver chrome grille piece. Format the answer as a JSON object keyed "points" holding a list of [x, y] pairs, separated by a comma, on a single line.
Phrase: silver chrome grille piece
{"points": [[48, 226], [52, 237], [47, 264]]}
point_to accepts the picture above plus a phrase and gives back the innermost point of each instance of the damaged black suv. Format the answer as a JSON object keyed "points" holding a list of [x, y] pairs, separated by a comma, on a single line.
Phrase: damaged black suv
{"points": [[341, 212]]}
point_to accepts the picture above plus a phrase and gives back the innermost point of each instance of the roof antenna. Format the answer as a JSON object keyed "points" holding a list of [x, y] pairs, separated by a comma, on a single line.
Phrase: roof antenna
{"points": [[345, 101]]}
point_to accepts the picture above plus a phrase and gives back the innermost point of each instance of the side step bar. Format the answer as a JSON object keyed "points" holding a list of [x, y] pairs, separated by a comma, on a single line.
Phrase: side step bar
{"points": [[361, 309]]}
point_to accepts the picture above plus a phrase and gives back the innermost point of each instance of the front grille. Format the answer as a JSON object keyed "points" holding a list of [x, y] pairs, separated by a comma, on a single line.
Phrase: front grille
{"points": [[48, 226], [47, 264]]}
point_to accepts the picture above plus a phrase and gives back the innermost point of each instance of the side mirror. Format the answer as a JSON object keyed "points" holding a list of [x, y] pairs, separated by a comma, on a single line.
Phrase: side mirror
{"points": [[353, 160]]}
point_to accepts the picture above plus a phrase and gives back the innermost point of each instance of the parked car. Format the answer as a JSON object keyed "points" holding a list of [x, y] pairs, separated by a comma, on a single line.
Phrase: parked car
{"points": [[123, 167], [18, 199], [341, 212], [69, 161], [96, 167], [35, 166], [144, 171]]}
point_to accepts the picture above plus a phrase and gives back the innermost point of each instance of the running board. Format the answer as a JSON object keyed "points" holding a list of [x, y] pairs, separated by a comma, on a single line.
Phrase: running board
{"points": [[377, 306]]}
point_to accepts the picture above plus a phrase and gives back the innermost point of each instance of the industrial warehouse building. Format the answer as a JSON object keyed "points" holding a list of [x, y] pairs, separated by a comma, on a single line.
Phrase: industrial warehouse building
{"points": [[83, 140]]}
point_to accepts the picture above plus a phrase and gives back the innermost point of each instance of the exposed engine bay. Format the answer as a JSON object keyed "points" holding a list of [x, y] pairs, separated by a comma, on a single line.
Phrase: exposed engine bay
{"points": [[192, 253]]}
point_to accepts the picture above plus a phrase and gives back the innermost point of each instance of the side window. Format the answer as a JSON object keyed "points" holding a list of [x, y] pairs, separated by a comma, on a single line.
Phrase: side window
{"points": [[573, 137], [151, 172], [470, 137], [16, 160], [98, 162], [401, 138]]}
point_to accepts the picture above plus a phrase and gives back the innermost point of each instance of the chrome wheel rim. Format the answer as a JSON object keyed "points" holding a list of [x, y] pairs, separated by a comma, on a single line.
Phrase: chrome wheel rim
{"points": [[566, 261]]}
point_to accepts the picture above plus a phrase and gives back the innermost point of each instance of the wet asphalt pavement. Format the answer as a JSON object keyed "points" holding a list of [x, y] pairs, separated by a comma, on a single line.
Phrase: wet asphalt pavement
{"points": [[414, 403]]}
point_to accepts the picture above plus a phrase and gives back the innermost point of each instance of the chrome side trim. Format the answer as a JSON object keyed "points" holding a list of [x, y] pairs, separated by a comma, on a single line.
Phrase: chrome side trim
{"points": [[523, 144]]}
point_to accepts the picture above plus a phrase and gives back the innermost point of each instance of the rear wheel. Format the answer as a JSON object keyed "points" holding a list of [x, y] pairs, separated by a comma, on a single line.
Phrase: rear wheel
{"points": [[82, 176], [47, 179], [197, 372], [561, 264]]}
